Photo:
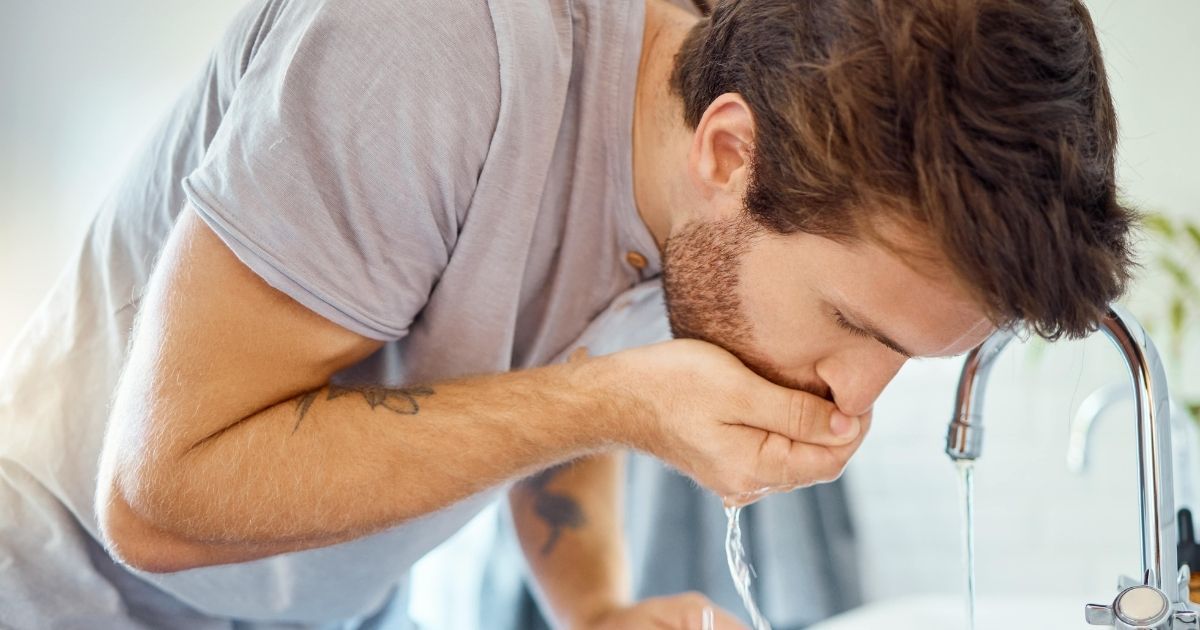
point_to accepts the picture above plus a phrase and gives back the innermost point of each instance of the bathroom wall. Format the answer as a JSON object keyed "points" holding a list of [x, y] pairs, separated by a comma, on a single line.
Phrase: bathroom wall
{"points": [[85, 80]]}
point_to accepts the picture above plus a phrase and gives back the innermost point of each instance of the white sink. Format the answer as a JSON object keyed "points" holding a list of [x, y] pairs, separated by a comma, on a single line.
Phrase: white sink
{"points": [[938, 612]]}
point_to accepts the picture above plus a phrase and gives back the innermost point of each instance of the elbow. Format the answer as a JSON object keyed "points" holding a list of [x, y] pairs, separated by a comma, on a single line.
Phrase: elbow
{"points": [[137, 541]]}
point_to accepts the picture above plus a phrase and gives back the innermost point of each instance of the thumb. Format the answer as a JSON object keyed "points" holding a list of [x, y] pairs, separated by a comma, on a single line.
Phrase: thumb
{"points": [[803, 417]]}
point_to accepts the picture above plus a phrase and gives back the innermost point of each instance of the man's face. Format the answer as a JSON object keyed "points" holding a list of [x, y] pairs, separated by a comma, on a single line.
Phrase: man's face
{"points": [[811, 313]]}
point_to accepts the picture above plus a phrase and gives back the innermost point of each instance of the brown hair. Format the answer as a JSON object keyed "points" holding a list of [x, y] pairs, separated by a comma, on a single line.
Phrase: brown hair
{"points": [[986, 124]]}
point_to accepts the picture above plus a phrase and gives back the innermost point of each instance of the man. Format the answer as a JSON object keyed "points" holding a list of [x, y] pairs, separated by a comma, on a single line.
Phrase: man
{"points": [[361, 235]]}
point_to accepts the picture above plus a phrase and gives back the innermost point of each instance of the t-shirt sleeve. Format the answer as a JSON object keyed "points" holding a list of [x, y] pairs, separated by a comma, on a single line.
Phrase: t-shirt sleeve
{"points": [[350, 149]]}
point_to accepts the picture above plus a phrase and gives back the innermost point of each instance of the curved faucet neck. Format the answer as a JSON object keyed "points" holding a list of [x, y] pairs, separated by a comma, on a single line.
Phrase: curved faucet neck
{"points": [[964, 439], [1155, 471]]}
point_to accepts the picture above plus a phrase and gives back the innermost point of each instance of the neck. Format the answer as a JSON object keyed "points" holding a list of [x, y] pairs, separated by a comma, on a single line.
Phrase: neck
{"points": [[660, 138]]}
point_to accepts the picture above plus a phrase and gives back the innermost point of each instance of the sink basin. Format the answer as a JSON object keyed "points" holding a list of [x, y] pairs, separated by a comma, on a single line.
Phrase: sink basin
{"points": [[938, 612]]}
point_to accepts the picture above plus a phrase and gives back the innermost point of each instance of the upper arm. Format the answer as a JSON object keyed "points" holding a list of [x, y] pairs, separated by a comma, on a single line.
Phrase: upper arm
{"points": [[324, 210], [343, 168]]}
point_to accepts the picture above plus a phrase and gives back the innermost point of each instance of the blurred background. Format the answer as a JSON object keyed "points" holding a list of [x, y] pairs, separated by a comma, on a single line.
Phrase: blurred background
{"points": [[84, 82]]}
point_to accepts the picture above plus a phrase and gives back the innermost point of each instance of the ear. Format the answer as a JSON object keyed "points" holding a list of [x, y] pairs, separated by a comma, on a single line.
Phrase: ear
{"points": [[719, 160]]}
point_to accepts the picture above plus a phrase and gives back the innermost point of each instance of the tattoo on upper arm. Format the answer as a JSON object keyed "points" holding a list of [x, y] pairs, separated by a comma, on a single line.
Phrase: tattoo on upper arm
{"points": [[558, 511], [400, 400]]}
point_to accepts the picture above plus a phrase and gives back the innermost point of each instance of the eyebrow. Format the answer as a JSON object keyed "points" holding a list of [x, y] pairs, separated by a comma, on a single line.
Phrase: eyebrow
{"points": [[865, 325]]}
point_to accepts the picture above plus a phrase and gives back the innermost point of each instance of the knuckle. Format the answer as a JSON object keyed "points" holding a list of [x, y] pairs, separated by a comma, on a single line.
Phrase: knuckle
{"points": [[742, 400], [774, 458], [797, 414], [817, 466]]}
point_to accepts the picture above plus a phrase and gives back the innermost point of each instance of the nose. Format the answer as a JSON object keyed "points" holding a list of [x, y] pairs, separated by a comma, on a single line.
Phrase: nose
{"points": [[855, 382]]}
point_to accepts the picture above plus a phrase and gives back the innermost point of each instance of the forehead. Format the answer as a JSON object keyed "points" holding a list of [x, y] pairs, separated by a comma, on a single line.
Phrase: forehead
{"points": [[916, 301]]}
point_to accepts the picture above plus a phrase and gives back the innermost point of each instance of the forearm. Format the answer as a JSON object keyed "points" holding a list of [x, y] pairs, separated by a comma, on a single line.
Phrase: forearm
{"points": [[569, 522], [335, 464]]}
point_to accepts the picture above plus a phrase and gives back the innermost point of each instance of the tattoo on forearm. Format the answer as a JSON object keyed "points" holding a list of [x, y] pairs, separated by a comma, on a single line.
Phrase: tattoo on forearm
{"points": [[302, 405], [558, 511], [401, 400]]}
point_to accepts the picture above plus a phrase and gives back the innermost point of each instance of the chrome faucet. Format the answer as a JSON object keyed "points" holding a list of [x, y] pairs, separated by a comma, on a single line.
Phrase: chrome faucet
{"points": [[1159, 600], [1080, 432]]}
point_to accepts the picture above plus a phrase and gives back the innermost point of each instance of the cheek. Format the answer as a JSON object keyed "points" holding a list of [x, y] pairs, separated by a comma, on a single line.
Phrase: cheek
{"points": [[787, 325]]}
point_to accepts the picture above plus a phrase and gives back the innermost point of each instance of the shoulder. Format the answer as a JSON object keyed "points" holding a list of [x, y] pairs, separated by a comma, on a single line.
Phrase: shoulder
{"points": [[437, 32], [412, 67]]}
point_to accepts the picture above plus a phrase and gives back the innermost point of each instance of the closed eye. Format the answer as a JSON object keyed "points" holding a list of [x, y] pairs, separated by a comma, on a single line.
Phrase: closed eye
{"points": [[848, 327], [859, 331]]}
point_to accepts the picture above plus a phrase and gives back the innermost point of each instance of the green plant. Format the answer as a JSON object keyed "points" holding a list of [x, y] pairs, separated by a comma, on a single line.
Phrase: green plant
{"points": [[1171, 256], [1174, 254]]}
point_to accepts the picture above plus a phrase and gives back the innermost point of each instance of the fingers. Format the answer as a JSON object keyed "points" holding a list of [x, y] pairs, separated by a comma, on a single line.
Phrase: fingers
{"points": [[781, 464], [756, 437], [803, 417], [809, 464]]}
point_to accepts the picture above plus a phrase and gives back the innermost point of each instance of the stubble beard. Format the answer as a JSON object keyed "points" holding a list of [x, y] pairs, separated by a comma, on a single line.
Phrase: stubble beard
{"points": [[700, 286]]}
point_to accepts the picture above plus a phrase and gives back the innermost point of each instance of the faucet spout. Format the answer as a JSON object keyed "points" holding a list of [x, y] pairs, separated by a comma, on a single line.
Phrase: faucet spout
{"points": [[964, 440]]}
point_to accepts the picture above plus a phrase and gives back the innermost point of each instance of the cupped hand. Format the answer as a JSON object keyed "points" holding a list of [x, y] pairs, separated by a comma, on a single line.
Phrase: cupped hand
{"points": [[732, 431]]}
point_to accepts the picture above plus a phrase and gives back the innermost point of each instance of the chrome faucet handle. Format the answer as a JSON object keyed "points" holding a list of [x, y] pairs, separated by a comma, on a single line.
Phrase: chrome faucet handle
{"points": [[1081, 424], [1184, 584], [1141, 607], [1125, 582]]}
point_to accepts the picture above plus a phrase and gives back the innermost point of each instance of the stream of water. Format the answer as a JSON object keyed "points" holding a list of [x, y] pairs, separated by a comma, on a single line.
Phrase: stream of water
{"points": [[966, 477], [741, 571], [739, 568]]}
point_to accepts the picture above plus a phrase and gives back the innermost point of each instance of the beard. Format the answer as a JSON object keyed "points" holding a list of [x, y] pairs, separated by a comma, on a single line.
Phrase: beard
{"points": [[700, 273], [700, 282]]}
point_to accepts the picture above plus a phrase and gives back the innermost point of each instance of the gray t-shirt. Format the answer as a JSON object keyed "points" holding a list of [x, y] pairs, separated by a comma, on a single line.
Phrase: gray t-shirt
{"points": [[453, 178]]}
